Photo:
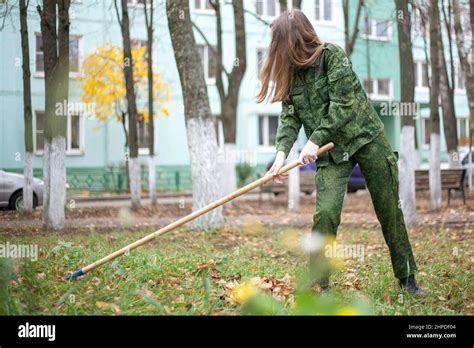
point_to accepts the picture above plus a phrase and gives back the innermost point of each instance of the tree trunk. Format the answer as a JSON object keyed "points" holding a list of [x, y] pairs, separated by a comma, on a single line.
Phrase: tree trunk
{"points": [[297, 3], [468, 73], [229, 98], [151, 121], [55, 35], [407, 95], [447, 105], [27, 111], [283, 5], [435, 171], [201, 134], [133, 162]]}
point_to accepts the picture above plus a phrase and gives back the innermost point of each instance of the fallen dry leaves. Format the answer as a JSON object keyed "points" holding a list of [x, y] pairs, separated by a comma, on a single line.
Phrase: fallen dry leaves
{"points": [[280, 288], [106, 305]]}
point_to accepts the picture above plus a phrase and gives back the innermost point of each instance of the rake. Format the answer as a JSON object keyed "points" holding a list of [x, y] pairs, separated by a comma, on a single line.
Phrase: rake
{"points": [[263, 180]]}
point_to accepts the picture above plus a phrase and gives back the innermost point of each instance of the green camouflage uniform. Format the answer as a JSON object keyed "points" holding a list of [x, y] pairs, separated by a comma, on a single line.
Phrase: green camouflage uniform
{"points": [[328, 100]]}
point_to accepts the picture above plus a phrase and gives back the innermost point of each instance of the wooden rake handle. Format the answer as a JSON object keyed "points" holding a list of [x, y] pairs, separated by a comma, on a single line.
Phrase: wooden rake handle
{"points": [[263, 180]]}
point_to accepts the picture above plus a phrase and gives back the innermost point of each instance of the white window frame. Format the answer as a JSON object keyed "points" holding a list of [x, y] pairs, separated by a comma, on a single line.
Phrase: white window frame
{"points": [[419, 76], [322, 8], [69, 151], [375, 89], [266, 146], [373, 30], [202, 9], [205, 65], [72, 74], [264, 14]]}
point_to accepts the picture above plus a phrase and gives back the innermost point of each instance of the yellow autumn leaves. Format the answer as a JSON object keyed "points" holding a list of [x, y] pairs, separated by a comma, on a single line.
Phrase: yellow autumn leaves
{"points": [[103, 83]]}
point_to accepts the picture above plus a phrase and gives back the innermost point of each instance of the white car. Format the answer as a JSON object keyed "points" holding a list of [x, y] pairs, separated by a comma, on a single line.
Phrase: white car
{"points": [[11, 190]]}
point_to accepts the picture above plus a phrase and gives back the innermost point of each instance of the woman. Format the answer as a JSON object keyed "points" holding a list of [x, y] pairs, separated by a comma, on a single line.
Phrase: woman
{"points": [[319, 91]]}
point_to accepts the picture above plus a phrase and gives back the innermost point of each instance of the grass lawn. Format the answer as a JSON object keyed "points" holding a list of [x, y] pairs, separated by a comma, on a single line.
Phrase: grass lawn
{"points": [[193, 273]]}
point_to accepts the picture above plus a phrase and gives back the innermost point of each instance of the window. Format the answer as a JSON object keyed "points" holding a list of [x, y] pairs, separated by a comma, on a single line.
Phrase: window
{"points": [[378, 89], [39, 54], [39, 131], [421, 75], [74, 134], [208, 63], [376, 29], [459, 82], [268, 8], [203, 5], [260, 57], [137, 2], [142, 132], [323, 10], [463, 130], [267, 127], [74, 63], [425, 131], [74, 55]]}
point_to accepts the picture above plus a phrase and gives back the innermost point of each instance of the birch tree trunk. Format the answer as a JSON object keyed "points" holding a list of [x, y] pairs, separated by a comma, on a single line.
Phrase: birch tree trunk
{"points": [[434, 160], [201, 136], [27, 111], [407, 95], [55, 35], [151, 121], [133, 161]]}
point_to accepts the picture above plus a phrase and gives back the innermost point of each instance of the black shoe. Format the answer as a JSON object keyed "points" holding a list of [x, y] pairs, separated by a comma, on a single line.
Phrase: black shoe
{"points": [[411, 286]]}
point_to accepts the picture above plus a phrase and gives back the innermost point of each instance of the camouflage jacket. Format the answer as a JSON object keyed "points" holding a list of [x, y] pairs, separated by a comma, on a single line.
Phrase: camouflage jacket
{"points": [[328, 100]]}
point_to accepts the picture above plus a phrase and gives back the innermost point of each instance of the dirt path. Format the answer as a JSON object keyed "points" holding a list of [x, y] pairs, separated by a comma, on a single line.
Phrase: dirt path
{"points": [[357, 211]]}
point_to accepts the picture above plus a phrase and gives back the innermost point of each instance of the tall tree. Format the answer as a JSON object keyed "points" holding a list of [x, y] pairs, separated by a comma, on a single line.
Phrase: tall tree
{"points": [[27, 113], [466, 66], [133, 161], [54, 17], [294, 187], [151, 126], [447, 92], [434, 160], [201, 135], [350, 36], [407, 95], [229, 90]]}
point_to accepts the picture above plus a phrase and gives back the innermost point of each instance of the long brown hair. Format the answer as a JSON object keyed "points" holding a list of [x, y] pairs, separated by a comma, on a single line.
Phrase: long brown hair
{"points": [[294, 45]]}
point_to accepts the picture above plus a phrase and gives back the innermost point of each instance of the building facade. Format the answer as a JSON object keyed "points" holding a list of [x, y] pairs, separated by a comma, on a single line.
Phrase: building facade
{"points": [[95, 150]]}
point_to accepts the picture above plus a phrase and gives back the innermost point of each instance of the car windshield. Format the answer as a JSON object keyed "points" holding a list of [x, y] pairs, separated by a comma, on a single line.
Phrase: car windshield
{"points": [[466, 158]]}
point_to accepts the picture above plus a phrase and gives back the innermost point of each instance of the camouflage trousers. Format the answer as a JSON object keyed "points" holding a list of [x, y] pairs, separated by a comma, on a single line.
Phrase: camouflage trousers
{"points": [[379, 166]]}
